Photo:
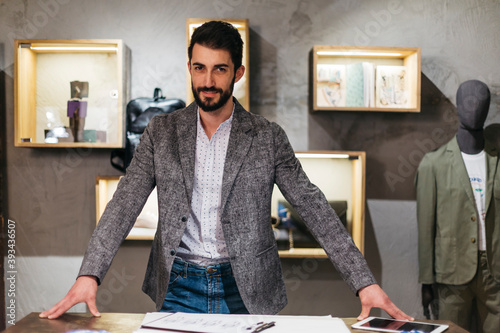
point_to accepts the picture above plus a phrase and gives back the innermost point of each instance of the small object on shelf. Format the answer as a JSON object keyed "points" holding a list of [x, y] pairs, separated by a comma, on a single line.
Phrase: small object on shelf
{"points": [[333, 90], [284, 216], [92, 135], [59, 134], [77, 109], [391, 83], [291, 231], [79, 89], [286, 224], [355, 93], [344, 78]]}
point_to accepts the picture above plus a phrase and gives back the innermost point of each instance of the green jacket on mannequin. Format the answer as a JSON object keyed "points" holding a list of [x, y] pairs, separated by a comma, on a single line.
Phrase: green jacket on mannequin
{"points": [[448, 218]]}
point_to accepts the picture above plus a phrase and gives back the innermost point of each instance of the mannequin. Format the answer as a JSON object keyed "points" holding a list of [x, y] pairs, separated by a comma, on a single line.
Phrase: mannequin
{"points": [[473, 101], [458, 216]]}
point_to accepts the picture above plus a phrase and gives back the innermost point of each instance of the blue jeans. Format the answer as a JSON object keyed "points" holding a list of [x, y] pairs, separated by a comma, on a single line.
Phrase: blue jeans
{"points": [[202, 289]]}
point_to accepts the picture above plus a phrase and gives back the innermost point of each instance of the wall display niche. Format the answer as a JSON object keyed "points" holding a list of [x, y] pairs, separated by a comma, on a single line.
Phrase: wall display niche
{"points": [[242, 87], [147, 221], [339, 174], [71, 93], [366, 78]]}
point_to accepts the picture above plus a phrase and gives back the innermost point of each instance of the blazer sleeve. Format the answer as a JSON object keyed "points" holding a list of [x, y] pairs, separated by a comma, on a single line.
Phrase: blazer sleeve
{"points": [[121, 212], [311, 204], [425, 184]]}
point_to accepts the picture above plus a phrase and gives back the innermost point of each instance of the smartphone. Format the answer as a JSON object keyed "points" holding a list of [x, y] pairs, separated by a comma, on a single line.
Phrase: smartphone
{"points": [[393, 325]]}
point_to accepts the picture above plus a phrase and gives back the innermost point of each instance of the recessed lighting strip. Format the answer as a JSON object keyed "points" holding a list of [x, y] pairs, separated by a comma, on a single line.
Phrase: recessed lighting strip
{"points": [[74, 48], [358, 53], [313, 155], [236, 25]]}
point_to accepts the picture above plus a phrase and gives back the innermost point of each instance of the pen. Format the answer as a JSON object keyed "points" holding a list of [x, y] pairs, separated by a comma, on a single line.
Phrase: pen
{"points": [[264, 326]]}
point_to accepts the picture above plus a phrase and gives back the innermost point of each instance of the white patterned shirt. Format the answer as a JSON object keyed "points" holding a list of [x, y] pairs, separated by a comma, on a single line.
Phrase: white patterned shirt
{"points": [[203, 240]]}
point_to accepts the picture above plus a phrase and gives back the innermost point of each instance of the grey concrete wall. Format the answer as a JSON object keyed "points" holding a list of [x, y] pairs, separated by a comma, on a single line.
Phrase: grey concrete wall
{"points": [[50, 192]]}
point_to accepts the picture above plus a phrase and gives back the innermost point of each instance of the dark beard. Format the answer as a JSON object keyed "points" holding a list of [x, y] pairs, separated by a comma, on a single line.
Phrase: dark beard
{"points": [[205, 106]]}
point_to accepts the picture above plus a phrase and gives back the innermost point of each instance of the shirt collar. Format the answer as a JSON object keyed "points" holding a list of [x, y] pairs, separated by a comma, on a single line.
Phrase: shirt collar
{"points": [[228, 122]]}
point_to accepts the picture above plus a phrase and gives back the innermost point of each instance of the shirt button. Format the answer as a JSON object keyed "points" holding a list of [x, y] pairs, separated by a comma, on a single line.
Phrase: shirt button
{"points": [[184, 219], [172, 252], [473, 219], [473, 240]]}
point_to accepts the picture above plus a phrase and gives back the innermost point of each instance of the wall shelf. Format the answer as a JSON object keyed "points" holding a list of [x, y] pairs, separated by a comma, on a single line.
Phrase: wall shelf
{"points": [[147, 221], [43, 72], [349, 78], [340, 175]]}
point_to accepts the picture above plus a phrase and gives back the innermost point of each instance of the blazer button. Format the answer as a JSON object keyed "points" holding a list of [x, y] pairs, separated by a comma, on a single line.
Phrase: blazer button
{"points": [[473, 240], [473, 219], [184, 219], [172, 252]]}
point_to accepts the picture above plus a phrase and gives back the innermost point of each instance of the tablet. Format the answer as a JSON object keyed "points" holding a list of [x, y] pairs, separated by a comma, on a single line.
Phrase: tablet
{"points": [[393, 325]]}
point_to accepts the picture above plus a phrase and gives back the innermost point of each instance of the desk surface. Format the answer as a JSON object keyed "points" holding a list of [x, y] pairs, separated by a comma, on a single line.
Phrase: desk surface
{"points": [[116, 323]]}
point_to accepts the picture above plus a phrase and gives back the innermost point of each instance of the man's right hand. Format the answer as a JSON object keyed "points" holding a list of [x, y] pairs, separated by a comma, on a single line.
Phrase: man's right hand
{"points": [[83, 291]]}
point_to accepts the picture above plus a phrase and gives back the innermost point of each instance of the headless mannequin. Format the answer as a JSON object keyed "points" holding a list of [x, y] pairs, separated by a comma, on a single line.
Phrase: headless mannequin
{"points": [[473, 101]]}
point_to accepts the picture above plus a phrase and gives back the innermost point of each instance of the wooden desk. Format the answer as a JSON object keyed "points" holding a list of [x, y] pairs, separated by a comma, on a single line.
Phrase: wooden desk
{"points": [[117, 323]]}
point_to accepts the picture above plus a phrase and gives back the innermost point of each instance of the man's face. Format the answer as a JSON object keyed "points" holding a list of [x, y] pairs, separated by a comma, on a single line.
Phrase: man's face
{"points": [[212, 77]]}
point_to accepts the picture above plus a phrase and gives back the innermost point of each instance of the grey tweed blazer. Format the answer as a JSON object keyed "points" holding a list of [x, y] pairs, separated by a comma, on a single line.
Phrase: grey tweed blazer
{"points": [[258, 155]]}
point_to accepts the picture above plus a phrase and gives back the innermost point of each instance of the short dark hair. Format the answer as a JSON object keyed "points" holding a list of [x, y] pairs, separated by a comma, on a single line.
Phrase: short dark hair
{"points": [[219, 35]]}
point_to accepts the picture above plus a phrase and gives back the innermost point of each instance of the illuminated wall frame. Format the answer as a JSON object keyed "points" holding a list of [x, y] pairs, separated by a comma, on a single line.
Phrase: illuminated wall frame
{"points": [[147, 221], [43, 71], [241, 88], [340, 175], [332, 66]]}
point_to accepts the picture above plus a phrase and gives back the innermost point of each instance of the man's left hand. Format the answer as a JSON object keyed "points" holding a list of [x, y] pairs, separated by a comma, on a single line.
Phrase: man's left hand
{"points": [[373, 296]]}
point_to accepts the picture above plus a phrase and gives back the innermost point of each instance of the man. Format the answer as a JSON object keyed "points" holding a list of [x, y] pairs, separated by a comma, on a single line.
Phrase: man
{"points": [[458, 208], [214, 166]]}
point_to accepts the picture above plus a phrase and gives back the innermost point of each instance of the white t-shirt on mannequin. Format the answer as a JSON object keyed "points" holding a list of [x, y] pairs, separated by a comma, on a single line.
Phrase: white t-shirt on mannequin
{"points": [[476, 168]]}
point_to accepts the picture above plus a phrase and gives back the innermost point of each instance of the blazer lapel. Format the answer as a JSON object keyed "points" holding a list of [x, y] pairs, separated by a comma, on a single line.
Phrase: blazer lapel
{"points": [[491, 169], [186, 136], [240, 141], [459, 169]]}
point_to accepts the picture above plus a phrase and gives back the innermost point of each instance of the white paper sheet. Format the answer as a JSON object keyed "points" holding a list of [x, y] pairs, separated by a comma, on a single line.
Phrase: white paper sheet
{"points": [[217, 323]]}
